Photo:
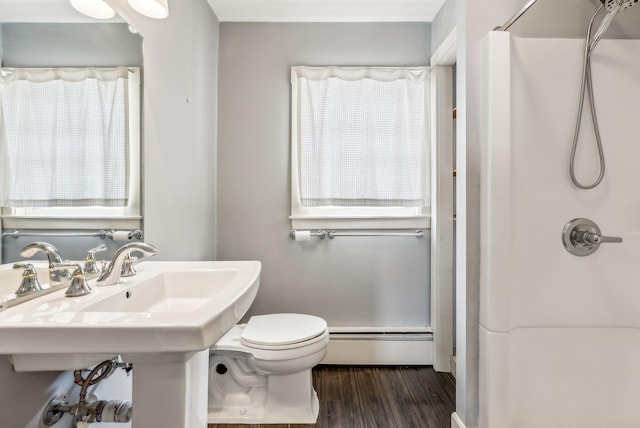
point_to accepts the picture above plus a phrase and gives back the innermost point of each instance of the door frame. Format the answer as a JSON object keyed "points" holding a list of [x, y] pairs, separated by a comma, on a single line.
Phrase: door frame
{"points": [[442, 197]]}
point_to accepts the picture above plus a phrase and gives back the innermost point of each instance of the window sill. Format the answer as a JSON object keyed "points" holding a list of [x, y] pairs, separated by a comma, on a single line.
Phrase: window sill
{"points": [[18, 222], [319, 222]]}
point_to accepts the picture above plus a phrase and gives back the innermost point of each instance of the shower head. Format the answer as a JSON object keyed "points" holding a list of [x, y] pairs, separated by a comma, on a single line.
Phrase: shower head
{"points": [[612, 7], [622, 4]]}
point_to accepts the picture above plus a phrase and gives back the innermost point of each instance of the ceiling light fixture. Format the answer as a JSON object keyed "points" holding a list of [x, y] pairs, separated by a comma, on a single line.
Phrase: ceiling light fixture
{"points": [[94, 8], [157, 9]]}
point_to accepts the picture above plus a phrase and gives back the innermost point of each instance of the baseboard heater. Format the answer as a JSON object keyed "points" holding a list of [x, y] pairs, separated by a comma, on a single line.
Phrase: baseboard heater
{"points": [[380, 346]]}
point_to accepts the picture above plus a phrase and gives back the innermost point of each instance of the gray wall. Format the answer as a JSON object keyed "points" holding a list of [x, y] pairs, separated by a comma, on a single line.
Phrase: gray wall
{"points": [[350, 281], [69, 45], [445, 20], [180, 128]]}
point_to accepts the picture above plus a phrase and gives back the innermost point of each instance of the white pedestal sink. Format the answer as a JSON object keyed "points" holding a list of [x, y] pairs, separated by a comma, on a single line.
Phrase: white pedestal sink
{"points": [[163, 321], [170, 393]]}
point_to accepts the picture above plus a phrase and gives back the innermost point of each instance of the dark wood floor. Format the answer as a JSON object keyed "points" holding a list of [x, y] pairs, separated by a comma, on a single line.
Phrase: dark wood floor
{"points": [[379, 397]]}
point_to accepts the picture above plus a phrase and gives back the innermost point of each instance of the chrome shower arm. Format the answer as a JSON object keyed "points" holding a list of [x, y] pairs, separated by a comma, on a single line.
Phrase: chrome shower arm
{"points": [[515, 17]]}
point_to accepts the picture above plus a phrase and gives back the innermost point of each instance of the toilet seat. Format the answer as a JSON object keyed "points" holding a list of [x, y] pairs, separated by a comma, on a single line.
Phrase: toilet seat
{"points": [[283, 331], [307, 341]]}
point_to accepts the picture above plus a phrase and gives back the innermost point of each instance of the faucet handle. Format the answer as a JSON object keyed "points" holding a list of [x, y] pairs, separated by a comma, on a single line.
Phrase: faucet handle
{"points": [[78, 286], [91, 254], [91, 268], [127, 266], [29, 283], [25, 266]]}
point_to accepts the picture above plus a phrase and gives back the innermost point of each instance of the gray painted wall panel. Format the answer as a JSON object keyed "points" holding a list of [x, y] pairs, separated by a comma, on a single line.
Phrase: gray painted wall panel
{"points": [[180, 130], [444, 22], [70, 45], [350, 281]]}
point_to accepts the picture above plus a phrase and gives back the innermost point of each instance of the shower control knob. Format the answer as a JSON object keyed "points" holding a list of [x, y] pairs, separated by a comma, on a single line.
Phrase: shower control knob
{"points": [[582, 237]]}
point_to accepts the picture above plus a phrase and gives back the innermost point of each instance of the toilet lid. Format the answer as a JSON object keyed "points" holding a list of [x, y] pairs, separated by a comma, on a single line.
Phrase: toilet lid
{"points": [[282, 329]]}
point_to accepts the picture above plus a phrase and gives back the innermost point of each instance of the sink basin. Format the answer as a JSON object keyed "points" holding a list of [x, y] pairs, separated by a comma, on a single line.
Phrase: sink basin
{"points": [[169, 310], [169, 292]]}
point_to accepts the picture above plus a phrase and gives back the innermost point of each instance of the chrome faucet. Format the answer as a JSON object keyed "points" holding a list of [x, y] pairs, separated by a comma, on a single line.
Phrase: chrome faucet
{"points": [[56, 276], [111, 275]]}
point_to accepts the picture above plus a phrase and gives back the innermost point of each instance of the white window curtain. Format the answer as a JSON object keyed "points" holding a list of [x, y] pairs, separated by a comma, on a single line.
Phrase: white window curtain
{"points": [[64, 137], [361, 136]]}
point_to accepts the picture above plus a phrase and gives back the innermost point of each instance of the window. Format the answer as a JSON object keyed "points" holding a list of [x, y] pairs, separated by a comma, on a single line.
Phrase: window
{"points": [[360, 153], [70, 143]]}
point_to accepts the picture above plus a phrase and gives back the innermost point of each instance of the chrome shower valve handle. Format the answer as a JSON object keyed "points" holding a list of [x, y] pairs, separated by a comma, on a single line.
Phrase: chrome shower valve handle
{"points": [[582, 237], [611, 239], [590, 238]]}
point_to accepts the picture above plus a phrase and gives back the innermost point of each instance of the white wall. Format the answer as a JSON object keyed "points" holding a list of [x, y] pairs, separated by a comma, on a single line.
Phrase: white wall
{"points": [[350, 281]]}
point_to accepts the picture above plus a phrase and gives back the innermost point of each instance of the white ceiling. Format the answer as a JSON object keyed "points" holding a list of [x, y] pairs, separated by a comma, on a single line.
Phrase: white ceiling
{"points": [[249, 10], [325, 10]]}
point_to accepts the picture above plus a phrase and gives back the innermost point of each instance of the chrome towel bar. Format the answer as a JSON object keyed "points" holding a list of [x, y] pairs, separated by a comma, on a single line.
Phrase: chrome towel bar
{"points": [[321, 234], [138, 234]]}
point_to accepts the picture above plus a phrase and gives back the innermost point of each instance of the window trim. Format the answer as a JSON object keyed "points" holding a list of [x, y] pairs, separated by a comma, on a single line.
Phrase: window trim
{"points": [[98, 217], [349, 217]]}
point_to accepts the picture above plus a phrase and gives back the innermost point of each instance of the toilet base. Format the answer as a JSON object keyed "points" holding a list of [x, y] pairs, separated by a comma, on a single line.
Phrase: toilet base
{"points": [[257, 413], [238, 394]]}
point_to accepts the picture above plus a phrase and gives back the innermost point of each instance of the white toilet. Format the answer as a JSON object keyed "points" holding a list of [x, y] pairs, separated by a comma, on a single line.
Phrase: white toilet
{"points": [[260, 372]]}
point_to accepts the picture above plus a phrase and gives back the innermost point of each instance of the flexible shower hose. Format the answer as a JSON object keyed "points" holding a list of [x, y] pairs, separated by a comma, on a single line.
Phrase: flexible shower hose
{"points": [[587, 86]]}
